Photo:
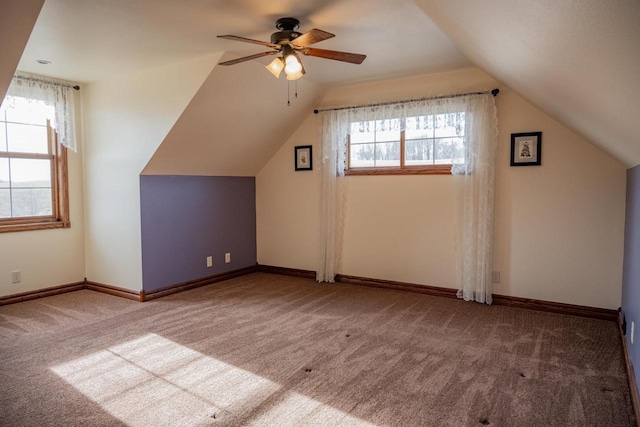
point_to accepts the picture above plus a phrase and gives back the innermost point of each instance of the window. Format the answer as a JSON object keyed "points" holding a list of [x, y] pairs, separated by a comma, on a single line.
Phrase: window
{"points": [[421, 144], [33, 169]]}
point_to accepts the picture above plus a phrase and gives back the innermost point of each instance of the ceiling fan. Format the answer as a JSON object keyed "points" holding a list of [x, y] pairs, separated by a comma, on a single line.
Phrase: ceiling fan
{"points": [[289, 42]]}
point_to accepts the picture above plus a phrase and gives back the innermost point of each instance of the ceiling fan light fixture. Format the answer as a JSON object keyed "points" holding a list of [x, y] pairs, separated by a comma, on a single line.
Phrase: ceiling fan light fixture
{"points": [[295, 76], [275, 67], [286, 44], [292, 67]]}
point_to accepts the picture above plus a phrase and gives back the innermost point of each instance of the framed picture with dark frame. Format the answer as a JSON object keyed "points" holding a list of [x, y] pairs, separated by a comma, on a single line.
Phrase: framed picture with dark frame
{"points": [[304, 158], [526, 149]]}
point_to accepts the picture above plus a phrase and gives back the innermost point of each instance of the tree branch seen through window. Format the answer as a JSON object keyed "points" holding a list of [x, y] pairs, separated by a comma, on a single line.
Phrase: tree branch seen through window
{"points": [[422, 144]]}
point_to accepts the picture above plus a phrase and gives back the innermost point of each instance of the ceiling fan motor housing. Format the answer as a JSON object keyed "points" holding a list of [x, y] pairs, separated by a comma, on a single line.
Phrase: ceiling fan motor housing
{"points": [[284, 36], [287, 33]]}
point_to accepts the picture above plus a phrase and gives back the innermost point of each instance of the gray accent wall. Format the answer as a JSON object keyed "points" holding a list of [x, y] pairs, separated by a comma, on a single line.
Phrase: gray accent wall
{"points": [[185, 219], [631, 269]]}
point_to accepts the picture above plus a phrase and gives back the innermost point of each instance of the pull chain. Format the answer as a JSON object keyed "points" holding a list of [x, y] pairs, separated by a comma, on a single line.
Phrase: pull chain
{"points": [[289, 91]]}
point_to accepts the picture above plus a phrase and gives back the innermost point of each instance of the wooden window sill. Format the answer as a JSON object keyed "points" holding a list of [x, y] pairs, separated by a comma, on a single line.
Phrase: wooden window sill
{"points": [[29, 226], [435, 170]]}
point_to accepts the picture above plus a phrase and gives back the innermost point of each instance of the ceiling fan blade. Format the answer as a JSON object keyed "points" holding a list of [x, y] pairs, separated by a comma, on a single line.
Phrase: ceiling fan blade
{"points": [[311, 37], [354, 58], [248, 58], [246, 40]]}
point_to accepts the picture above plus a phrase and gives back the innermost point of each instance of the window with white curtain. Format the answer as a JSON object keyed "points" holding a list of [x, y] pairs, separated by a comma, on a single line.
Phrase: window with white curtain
{"points": [[35, 116], [419, 143], [455, 135]]}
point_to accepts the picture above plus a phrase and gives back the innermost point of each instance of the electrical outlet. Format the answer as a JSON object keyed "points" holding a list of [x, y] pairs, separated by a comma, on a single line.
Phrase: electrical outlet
{"points": [[227, 257], [209, 261], [632, 328], [495, 277], [16, 276]]}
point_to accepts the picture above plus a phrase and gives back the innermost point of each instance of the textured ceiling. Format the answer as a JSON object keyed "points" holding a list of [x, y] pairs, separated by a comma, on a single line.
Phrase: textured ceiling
{"points": [[93, 40], [578, 60]]}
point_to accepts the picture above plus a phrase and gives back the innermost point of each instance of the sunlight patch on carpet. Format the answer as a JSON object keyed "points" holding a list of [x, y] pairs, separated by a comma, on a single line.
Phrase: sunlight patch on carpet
{"points": [[295, 409], [155, 381]]}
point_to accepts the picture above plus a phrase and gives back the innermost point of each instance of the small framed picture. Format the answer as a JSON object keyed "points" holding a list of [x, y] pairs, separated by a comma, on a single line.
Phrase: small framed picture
{"points": [[304, 158], [526, 149]]}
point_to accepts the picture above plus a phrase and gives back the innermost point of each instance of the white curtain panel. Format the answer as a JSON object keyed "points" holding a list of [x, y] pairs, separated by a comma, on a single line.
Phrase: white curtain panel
{"points": [[57, 96], [333, 128], [474, 171], [475, 186]]}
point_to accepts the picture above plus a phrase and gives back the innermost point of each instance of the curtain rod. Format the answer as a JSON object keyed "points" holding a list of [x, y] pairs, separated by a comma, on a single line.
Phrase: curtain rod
{"points": [[494, 92], [53, 82]]}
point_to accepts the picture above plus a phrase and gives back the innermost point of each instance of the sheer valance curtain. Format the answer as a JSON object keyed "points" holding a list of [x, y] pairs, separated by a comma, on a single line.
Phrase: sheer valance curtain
{"points": [[475, 173], [56, 97]]}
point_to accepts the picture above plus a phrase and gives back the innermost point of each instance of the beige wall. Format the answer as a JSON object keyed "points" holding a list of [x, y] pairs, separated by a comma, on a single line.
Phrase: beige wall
{"points": [[49, 258], [559, 227], [45, 258], [287, 205], [126, 119]]}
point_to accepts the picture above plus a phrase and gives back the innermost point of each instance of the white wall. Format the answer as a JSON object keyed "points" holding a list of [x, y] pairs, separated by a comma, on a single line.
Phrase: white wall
{"points": [[126, 119], [48, 258], [559, 226]]}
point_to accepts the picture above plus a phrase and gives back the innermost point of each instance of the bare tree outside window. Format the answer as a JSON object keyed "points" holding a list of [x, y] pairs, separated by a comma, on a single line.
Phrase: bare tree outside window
{"points": [[422, 142]]}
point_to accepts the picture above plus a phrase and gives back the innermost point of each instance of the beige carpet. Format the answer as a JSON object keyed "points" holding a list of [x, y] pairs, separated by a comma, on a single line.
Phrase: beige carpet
{"points": [[269, 350]]}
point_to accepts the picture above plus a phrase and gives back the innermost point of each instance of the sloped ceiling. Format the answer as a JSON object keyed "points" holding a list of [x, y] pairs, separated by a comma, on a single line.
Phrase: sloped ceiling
{"points": [[17, 18], [575, 59], [88, 41], [239, 117], [234, 124], [578, 60]]}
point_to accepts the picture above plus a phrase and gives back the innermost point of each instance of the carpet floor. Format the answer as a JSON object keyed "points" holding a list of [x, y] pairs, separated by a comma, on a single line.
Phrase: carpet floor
{"points": [[267, 350]]}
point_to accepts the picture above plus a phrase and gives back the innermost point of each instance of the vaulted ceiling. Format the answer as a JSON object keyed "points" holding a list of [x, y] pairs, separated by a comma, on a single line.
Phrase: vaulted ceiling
{"points": [[93, 40], [578, 60]]}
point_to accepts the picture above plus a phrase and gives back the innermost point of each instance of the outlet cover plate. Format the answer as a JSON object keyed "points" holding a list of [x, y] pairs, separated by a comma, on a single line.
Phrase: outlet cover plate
{"points": [[16, 277], [495, 277], [227, 257]]}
